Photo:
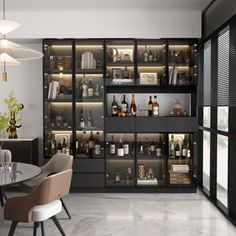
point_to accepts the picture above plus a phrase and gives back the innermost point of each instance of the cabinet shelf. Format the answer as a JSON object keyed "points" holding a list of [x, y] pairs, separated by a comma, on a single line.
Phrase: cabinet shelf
{"points": [[89, 71], [120, 64], [54, 71]]}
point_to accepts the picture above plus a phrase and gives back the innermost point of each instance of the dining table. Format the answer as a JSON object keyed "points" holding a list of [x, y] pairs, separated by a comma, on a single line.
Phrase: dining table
{"points": [[15, 173]]}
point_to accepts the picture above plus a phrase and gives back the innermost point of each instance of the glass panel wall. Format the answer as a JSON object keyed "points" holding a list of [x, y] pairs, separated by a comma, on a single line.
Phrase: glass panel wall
{"points": [[206, 159]]}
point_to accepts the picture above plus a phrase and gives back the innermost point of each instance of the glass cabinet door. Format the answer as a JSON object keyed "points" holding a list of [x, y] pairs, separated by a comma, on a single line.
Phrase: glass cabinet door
{"points": [[120, 62], [120, 159], [150, 154], [151, 57], [180, 159], [182, 63]]}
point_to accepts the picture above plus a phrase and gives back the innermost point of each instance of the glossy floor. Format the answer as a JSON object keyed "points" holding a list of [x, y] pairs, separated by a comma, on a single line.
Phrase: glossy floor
{"points": [[135, 215]]}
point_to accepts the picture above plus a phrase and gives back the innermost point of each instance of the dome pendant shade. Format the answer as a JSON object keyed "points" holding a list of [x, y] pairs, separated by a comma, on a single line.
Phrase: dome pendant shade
{"points": [[6, 26], [17, 51], [5, 59]]}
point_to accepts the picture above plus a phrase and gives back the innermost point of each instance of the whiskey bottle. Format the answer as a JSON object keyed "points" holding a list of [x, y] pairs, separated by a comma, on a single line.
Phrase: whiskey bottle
{"points": [[150, 104], [126, 147], [150, 56], [155, 107], [84, 85], [97, 147], [133, 107], [81, 121], [177, 150], [112, 146], [145, 54], [90, 89], [91, 144], [172, 147], [124, 105], [64, 146], [120, 149], [114, 107]]}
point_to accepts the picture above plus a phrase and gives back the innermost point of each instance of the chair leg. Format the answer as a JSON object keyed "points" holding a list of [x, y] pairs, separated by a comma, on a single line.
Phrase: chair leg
{"points": [[36, 225], [56, 222], [42, 228], [64, 206], [13, 227], [1, 198]]}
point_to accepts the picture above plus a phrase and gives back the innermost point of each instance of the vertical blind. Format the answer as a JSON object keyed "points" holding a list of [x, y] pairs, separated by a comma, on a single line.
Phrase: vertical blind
{"points": [[223, 68], [207, 74]]}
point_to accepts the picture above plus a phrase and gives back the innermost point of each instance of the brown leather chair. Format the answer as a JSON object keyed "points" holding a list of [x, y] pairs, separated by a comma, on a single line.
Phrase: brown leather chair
{"points": [[41, 204], [59, 162]]}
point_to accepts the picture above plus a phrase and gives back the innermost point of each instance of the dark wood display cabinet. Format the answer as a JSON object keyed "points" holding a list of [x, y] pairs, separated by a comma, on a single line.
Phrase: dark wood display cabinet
{"points": [[97, 108]]}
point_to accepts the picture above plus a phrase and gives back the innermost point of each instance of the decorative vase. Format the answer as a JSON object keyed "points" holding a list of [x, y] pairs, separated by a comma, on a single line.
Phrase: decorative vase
{"points": [[12, 129]]}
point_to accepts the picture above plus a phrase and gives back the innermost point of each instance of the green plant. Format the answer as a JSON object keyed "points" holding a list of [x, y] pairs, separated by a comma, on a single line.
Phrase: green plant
{"points": [[4, 123]]}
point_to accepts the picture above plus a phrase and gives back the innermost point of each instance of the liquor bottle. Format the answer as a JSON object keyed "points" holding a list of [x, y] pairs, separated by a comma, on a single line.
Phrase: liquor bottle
{"points": [[154, 56], [145, 54], [124, 105], [120, 149], [177, 149], [53, 145], [91, 144], [150, 55], [155, 107], [152, 147], [150, 104], [84, 86], [158, 148], [188, 150], [76, 146], [64, 146], [184, 149], [97, 147], [172, 147], [83, 144], [90, 121], [90, 88], [81, 121], [126, 73], [59, 147], [133, 107], [112, 146], [126, 147], [141, 148], [114, 107]]}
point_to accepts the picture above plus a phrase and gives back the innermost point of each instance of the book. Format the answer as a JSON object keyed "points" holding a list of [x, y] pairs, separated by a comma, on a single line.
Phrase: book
{"points": [[49, 90], [55, 89]]}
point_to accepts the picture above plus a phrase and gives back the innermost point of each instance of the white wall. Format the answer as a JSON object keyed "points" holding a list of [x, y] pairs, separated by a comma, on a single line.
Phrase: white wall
{"points": [[105, 24], [26, 82]]}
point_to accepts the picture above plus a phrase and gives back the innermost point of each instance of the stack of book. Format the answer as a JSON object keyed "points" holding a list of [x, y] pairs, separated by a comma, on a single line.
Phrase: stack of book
{"points": [[180, 168], [173, 72], [88, 62], [53, 90], [147, 181]]}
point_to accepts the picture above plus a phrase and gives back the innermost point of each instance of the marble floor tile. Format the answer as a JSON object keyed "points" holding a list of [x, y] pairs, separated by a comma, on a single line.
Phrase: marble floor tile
{"points": [[100, 214]]}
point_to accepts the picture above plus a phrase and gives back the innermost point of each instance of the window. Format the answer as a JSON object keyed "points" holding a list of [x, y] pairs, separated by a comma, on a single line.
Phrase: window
{"points": [[206, 159], [207, 117]]}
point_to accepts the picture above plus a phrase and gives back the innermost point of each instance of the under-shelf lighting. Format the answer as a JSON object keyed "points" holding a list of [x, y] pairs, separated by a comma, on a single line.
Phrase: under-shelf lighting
{"points": [[61, 46], [89, 46], [89, 103], [179, 46]]}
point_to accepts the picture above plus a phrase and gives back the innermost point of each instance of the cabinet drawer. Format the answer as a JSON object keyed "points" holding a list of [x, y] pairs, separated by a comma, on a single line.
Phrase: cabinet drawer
{"points": [[88, 180], [120, 124], [151, 124], [91, 165], [182, 124]]}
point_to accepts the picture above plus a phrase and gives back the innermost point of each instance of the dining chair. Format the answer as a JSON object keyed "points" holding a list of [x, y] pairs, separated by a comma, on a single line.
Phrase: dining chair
{"points": [[39, 205], [59, 162]]}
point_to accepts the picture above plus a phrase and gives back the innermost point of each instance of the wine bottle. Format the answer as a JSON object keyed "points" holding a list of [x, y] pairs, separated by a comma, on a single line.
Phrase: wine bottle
{"points": [[188, 150], [76, 146], [81, 121], [83, 144], [114, 107], [145, 54], [64, 146], [90, 121], [124, 105], [112, 146], [59, 147], [91, 144], [97, 147], [126, 147], [158, 148], [150, 55], [133, 107], [155, 107], [172, 147], [184, 149], [150, 104], [84, 88], [90, 89], [120, 149], [177, 149]]}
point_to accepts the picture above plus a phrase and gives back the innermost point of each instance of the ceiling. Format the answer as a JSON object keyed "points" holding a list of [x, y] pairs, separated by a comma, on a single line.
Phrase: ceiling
{"points": [[121, 5]]}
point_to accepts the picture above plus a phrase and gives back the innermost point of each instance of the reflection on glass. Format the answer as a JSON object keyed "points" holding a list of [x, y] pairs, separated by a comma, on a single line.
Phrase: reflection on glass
{"points": [[223, 118], [206, 159], [207, 117], [222, 169]]}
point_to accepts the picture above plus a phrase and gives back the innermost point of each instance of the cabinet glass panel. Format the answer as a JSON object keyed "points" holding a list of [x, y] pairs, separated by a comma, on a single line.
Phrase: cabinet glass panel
{"points": [[166, 105], [58, 127], [180, 159], [120, 62], [222, 169], [182, 63], [223, 118], [150, 154], [206, 159], [89, 144], [151, 62], [120, 159]]}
